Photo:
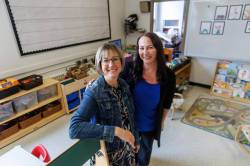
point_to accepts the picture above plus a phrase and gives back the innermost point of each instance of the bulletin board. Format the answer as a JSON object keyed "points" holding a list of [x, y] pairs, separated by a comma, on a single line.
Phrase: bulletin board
{"points": [[218, 29], [43, 25]]}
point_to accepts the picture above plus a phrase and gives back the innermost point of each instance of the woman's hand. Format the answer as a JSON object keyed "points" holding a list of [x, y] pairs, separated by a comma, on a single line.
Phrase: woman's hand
{"points": [[125, 135]]}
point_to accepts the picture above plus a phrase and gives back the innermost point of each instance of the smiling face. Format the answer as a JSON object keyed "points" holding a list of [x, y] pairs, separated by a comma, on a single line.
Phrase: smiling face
{"points": [[147, 51], [111, 65]]}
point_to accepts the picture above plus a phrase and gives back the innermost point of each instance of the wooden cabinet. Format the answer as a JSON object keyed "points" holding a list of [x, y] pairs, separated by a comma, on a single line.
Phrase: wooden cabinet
{"points": [[73, 92], [183, 73], [36, 107]]}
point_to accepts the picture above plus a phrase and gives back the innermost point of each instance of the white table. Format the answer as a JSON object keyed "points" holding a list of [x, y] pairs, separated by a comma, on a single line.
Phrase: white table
{"points": [[19, 157]]}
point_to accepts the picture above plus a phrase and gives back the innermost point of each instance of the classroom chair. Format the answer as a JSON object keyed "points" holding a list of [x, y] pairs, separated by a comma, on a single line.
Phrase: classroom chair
{"points": [[41, 152], [178, 100], [168, 52]]}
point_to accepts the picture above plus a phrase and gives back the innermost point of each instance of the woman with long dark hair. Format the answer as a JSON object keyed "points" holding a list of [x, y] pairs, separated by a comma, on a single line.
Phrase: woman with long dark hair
{"points": [[153, 85]]}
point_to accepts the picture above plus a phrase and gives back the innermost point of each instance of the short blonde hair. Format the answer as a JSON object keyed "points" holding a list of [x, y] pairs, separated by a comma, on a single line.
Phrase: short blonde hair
{"points": [[103, 50]]}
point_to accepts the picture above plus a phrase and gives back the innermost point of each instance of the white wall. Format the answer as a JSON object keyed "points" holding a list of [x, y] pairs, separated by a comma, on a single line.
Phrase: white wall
{"points": [[202, 69], [133, 7], [12, 64]]}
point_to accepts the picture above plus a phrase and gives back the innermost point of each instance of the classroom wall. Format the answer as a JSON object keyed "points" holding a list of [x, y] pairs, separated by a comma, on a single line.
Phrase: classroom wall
{"points": [[51, 62], [203, 69], [133, 7]]}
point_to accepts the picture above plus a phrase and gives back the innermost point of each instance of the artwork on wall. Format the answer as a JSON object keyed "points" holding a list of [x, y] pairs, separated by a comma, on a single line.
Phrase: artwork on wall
{"points": [[247, 30], [218, 28], [246, 12], [220, 13], [232, 80], [235, 12], [205, 27]]}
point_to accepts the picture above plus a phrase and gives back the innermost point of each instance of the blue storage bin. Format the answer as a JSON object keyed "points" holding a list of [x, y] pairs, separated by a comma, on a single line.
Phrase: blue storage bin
{"points": [[73, 104], [72, 96], [73, 100]]}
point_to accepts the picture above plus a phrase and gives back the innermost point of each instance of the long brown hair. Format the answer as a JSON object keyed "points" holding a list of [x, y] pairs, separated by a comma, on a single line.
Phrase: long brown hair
{"points": [[161, 61]]}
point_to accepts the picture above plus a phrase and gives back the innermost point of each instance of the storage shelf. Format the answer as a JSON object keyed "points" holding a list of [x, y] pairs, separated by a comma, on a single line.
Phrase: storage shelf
{"points": [[36, 106], [183, 74], [38, 124], [23, 132], [46, 83], [75, 86]]}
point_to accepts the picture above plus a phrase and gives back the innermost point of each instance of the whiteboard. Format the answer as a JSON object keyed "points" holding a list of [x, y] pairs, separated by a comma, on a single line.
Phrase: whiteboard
{"points": [[232, 44], [42, 25]]}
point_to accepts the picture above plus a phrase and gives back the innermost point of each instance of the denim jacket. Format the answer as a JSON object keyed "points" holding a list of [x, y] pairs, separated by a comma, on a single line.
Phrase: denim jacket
{"points": [[99, 102]]}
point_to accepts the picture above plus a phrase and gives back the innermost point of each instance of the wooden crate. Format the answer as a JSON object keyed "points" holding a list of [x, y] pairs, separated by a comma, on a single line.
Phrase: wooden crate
{"points": [[30, 121], [51, 110], [9, 131]]}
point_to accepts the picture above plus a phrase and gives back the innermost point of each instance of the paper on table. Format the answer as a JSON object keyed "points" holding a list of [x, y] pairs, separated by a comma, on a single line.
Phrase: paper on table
{"points": [[19, 157]]}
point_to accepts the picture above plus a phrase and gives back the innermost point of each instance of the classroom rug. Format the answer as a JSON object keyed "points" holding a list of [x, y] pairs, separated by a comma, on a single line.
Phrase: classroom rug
{"points": [[218, 116]]}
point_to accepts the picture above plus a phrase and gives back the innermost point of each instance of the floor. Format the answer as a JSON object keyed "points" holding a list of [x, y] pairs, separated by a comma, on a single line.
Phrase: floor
{"points": [[181, 144]]}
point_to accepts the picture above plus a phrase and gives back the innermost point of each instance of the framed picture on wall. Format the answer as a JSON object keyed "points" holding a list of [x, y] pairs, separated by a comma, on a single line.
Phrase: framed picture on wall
{"points": [[234, 12], [205, 27], [218, 27], [247, 30], [246, 12], [220, 13]]}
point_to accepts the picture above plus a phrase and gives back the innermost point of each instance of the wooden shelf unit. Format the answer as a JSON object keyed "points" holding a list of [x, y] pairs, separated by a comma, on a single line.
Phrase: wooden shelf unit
{"points": [[43, 121], [183, 74], [75, 87]]}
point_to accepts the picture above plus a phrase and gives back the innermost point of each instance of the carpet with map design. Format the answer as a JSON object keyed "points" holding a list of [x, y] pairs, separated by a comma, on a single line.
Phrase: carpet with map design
{"points": [[218, 116]]}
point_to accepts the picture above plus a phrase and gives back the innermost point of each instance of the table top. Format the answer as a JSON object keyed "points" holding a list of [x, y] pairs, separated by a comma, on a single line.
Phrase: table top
{"points": [[19, 157], [77, 154]]}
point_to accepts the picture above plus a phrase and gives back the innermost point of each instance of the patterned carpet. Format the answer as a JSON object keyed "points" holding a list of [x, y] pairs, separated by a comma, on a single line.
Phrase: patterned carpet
{"points": [[218, 116]]}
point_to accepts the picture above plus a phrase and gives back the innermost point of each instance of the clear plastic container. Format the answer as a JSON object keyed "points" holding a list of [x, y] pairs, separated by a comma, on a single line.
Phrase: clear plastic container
{"points": [[6, 110], [25, 102], [46, 93]]}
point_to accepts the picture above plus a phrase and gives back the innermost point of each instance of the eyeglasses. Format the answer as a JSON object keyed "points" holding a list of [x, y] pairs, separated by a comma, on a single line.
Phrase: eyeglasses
{"points": [[113, 60]]}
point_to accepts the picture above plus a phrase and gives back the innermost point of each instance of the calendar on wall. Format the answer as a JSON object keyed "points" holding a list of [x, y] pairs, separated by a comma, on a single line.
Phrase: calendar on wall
{"points": [[47, 25]]}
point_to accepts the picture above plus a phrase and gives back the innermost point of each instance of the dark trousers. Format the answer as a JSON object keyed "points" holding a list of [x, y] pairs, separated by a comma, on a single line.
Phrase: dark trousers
{"points": [[146, 144]]}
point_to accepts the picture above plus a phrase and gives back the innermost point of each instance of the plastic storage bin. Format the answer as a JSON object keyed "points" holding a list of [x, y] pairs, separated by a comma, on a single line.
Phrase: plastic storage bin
{"points": [[73, 100], [25, 102], [46, 93], [6, 110]]}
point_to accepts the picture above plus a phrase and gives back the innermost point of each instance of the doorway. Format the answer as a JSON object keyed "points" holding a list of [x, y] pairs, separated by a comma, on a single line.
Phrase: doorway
{"points": [[168, 19]]}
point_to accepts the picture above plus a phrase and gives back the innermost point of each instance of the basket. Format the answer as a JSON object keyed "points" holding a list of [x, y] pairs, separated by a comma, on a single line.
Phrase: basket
{"points": [[29, 119], [31, 81], [51, 109], [8, 129]]}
